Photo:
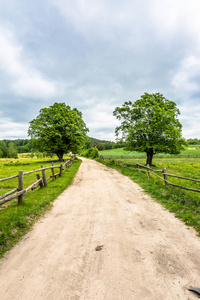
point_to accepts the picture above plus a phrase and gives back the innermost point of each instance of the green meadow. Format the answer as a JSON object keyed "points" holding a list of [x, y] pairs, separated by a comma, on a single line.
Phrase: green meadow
{"points": [[186, 164], [16, 220], [191, 150]]}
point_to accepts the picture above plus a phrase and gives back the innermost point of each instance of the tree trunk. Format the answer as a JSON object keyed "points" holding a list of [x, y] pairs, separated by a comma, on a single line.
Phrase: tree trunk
{"points": [[60, 155], [149, 157]]}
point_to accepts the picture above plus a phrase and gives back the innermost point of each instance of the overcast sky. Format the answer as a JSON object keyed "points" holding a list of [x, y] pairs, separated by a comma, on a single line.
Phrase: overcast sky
{"points": [[95, 55]]}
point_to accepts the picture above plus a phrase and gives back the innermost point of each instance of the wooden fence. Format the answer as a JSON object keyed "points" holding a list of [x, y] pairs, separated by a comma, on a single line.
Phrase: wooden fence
{"points": [[41, 180], [151, 171]]}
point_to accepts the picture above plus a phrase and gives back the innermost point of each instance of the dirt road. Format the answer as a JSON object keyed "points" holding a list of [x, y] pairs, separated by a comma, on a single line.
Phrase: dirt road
{"points": [[104, 239]]}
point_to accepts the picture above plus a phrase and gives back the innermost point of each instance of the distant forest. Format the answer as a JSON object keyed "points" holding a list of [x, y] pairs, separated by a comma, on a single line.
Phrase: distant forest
{"points": [[11, 148], [101, 144]]}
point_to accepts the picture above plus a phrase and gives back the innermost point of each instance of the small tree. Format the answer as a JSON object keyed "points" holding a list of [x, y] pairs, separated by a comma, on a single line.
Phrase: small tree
{"points": [[12, 150], [58, 129], [150, 125], [3, 149]]}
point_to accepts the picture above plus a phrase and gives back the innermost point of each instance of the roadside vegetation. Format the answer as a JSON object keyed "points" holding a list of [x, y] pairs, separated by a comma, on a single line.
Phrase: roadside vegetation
{"points": [[184, 204], [16, 220], [91, 153]]}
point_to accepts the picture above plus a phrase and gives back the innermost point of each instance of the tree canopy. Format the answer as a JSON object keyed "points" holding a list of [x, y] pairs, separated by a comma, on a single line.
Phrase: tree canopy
{"points": [[150, 125], [58, 129]]}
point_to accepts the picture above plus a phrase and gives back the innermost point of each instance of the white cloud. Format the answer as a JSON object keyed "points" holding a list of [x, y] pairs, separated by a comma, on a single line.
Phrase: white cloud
{"points": [[26, 80], [131, 20], [171, 16], [34, 86], [99, 119], [184, 80], [10, 129], [189, 118], [105, 19]]}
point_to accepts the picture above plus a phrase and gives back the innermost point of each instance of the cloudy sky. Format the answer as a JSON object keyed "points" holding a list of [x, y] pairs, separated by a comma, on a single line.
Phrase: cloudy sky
{"points": [[95, 55]]}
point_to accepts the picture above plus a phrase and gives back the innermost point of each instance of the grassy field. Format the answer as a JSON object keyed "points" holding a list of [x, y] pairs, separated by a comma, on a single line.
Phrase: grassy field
{"points": [[192, 150], [185, 204], [187, 164], [16, 220], [10, 167]]}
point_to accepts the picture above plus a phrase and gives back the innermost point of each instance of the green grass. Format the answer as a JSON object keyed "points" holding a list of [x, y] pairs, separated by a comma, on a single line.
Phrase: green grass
{"points": [[191, 150], [16, 220], [117, 153], [184, 204], [10, 167]]}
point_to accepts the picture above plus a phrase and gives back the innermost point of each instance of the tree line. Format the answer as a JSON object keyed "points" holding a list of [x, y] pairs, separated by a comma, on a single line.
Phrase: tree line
{"points": [[193, 141], [101, 144], [10, 148]]}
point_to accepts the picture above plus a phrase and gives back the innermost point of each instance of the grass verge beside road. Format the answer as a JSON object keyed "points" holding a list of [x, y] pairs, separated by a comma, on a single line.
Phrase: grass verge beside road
{"points": [[16, 220], [184, 204]]}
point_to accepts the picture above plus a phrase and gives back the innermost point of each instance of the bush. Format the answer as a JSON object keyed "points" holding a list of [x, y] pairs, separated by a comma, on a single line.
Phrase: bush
{"points": [[91, 153]]}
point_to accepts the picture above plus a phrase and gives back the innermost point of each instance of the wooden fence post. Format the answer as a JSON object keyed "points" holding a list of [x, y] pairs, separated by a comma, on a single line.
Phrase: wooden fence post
{"points": [[52, 170], [20, 186], [137, 167], [148, 171], [124, 164], [165, 175], [38, 177], [61, 167], [44, 176]]}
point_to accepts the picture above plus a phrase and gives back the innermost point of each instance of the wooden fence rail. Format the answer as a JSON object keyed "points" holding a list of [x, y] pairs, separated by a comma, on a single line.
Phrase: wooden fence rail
{"points": [[153, 172], [41, 181]]}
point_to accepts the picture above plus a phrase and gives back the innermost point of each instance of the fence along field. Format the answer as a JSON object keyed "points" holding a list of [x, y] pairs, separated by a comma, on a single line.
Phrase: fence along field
{"points": [[184, 202], [182, 167], [151, 171], [41, 180]]}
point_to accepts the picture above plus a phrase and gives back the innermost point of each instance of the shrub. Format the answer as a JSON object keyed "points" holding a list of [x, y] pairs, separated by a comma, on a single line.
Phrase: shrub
{"points": [[91, 153]]}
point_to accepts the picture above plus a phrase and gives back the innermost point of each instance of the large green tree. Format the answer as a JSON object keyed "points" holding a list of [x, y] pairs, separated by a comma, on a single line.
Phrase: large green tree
{"points": [[150, 125], [58, 129]]}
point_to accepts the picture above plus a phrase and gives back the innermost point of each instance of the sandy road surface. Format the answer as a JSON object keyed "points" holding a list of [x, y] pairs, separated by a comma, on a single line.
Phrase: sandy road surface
{"points": [[145, 252]]}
